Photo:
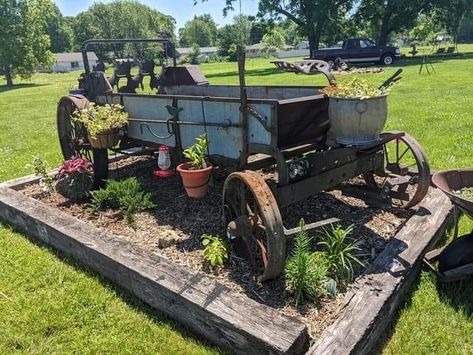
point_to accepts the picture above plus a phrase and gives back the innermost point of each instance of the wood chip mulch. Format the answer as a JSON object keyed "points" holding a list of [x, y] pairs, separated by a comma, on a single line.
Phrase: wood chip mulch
{"points": [[174, 229]]}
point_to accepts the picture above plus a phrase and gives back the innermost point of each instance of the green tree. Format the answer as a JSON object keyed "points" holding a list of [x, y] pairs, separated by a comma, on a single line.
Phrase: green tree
{"points": [[59, 30], [122, 19], [385, 17], [312, 16], [24, 43], [230, 36], [273, 40], [196, 31], [259, 28], [292, 32], [450, 14], [425, 31], [212, 25]]}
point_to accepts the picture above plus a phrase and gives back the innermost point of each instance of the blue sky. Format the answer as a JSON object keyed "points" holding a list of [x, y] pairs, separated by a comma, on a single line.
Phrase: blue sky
{"points": [[181, 10]]}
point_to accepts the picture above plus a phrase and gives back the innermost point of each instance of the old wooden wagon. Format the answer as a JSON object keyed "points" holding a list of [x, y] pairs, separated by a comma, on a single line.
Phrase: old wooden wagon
{"points": [[280, 129]]}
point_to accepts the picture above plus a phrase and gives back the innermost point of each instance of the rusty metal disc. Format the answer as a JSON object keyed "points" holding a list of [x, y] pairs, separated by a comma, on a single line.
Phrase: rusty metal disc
{"points": [[406, 178], [254, 223]]}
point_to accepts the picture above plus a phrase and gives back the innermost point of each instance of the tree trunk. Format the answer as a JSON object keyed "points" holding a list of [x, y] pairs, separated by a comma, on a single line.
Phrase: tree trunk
{"points": [[8, 76], [384, 32], [314, 37]]}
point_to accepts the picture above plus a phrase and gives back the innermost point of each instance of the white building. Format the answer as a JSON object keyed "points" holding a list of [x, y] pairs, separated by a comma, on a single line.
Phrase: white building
{"points": [[206, 53], [66, 62]]}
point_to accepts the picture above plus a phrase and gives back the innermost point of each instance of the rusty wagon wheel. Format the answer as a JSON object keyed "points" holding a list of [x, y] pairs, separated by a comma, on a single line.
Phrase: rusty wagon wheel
{"points": [[73, 137], [254, 223], [407, 173]]}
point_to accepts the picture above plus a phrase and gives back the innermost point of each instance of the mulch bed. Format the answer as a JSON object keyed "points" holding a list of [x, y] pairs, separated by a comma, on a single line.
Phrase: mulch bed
{"points": [[174, 229]]}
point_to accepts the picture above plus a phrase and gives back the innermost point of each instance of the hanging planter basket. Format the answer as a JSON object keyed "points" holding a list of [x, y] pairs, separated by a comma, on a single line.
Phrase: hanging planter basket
{"points": [[105, 140]]}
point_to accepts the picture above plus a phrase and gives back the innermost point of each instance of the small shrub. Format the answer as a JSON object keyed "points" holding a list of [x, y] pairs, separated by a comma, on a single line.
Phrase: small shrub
{"points": [[194, 54], [41, 169], [126, 196], [305, 271], [339, 250], [197, 153], [75, 179], [215, 250]]}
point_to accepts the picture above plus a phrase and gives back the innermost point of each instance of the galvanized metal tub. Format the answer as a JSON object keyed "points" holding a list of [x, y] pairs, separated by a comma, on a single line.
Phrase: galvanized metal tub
{"points": [[357, 121]]}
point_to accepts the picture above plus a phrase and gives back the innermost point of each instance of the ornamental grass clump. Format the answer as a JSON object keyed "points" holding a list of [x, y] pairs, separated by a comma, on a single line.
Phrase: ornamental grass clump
{"points": [[101, 119], [356, 89], [127, 196], [339, 250], [305, 271]]}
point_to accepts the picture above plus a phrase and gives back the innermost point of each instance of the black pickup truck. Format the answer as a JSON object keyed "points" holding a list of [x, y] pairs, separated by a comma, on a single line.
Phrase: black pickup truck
{"points": [[358, 50]]}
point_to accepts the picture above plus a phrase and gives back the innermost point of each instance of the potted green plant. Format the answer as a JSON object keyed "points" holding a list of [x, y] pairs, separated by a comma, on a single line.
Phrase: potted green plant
{"points": [[357, 111], [102, 123], [196, 173]]}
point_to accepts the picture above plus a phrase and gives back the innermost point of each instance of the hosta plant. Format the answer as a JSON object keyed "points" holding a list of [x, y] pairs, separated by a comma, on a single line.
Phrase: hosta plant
{"points": [[101, 119], [305, 271], [215, 250], [75, 178]]}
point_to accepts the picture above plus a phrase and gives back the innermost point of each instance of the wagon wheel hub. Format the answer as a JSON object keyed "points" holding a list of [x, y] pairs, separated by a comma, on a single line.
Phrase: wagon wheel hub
{"points": [[249, 228], [254, 224], [406, 176]]}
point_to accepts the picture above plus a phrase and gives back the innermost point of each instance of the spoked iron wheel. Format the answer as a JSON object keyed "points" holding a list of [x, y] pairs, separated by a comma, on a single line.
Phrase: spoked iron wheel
{"points": [[254, 224], [74, 141], [406, 179]]}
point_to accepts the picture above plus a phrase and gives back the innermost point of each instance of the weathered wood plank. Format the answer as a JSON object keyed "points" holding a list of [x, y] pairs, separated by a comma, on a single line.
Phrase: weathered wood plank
{"points": [[376, 295], [20, 182], [210, 309]]}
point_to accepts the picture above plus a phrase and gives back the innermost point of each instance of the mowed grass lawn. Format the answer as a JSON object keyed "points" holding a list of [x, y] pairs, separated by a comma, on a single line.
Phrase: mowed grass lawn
{"points": [[50, 305]]}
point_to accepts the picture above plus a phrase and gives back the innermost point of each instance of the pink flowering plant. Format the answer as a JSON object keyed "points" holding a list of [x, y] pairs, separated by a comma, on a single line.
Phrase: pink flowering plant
{"points": [[74, 165], [75, 178]]}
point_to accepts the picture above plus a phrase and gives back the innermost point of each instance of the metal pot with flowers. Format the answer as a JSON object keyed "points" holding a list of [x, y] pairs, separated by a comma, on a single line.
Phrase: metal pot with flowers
{"points": [[75, 179], [102, 123], [358, 110], [196, 173]]}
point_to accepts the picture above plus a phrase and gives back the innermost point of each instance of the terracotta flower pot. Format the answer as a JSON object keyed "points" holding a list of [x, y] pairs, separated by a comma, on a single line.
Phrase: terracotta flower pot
{"points": [[105, 140], [196, 182]]}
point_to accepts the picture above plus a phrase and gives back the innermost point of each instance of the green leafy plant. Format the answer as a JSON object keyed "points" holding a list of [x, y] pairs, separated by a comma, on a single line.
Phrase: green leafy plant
{"points": [[356, 89], [126, 196], [42, 170], [197, 152], [340, 251], [305, 271], [215, 250], [75, 178], [101, 119]]}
